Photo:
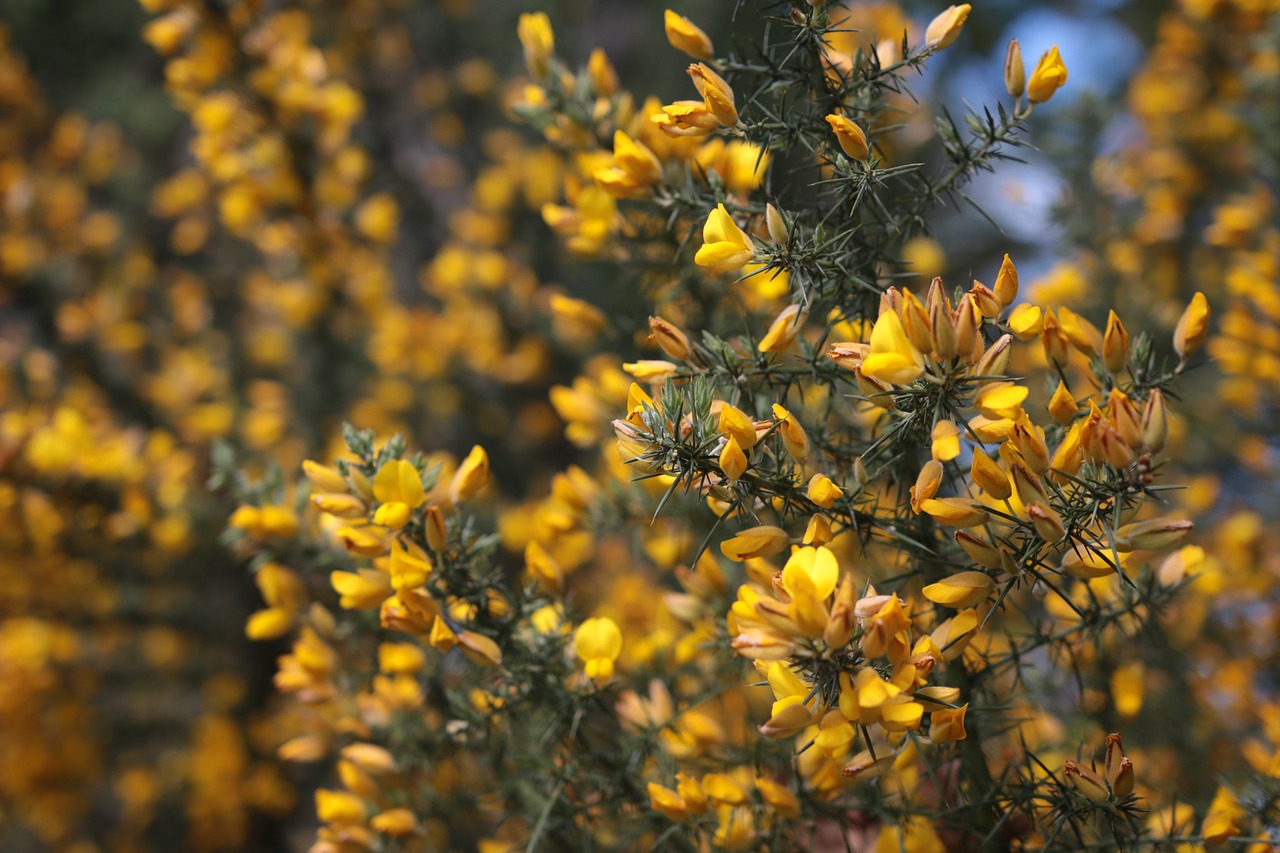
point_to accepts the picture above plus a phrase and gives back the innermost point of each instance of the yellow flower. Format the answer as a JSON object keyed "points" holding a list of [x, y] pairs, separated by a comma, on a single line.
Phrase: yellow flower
{"points": [[398, 488], [733, 462], [598, 642], [471, 476], [892, 358], [945, 28], [725, 246], [823, 492], [715, 92], [961, 590], [685, 118], [684, 35], [947, 724], [762, 541], [850, 136], [784, 328], [538, 41], [946, 441], [1048, 76], [1192, 326]]}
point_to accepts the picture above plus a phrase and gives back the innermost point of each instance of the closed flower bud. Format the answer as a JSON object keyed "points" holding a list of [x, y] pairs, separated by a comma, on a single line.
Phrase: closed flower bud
{"points": [[775, 225], [1111, 761], [1155, 422], [823, 492], [944, 29], [1115, 344], [980, 551], [471, 476], [686, 36], [793, 435], [762, 541], [1006, 286], [1047, 77], [955, 512], [943, 343], [603, 77], [967, 322], [927, 483], [782, 332], [669, 337], [1026, 321], [341, 505], [990, 477], [1192, 327], [733, 462], [1086, 782], [1063, 406], [995, 361], [1153, 534], [538, 41], [1054, 341], [915, 322], [1125, 418], [1047, 522], [985, 299], [1015, 75], [325, 478], [1082, 334], [961, 590], [1029, 485], [852, 139]]}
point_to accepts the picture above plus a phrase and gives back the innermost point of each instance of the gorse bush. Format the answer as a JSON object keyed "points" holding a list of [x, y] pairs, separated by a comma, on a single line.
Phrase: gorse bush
{"points": [[763, 531]]}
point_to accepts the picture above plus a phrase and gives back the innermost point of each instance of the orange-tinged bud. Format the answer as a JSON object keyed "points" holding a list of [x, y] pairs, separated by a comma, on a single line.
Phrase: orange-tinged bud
{"points": [[852, 139], [945, 28], [1015, 74], [1086, 782], [1047, 77], [1125, 418], [944, 343], [980, 551], [1192, 327], [1028, 440], [1153, 534], [877, 391], [995, 361], [1047, 522], [686, 36], [990, 477], [1030, 487], [840, 627], [1113, 449], [985, 300], [1123, 782], [1115, 344], [968, 321]]}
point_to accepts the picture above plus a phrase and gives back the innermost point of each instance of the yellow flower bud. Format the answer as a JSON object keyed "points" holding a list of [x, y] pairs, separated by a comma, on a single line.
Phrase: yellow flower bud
{"points": [[1153, 534], [686, 36], [1015, 75], [784, 329], [1115, 344], [733, 462], [670, 338], [1192, 327], [944, 29], [823, 492], [961, 590], [947, 724], [1086, 782], [538, 41], [945, 444], [1063, 406], [955, 512], [472, 476], [762, 541], [715, 92], [776, 225], [852, 139], [1006, 286], [990, 477], [325, 478]]}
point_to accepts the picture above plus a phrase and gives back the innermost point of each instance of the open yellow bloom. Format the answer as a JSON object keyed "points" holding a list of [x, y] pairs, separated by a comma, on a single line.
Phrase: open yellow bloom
{"points": [[725, 246], [853, 142], [398, 487], [1049, 75], [893, 358], [598, 642]]}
